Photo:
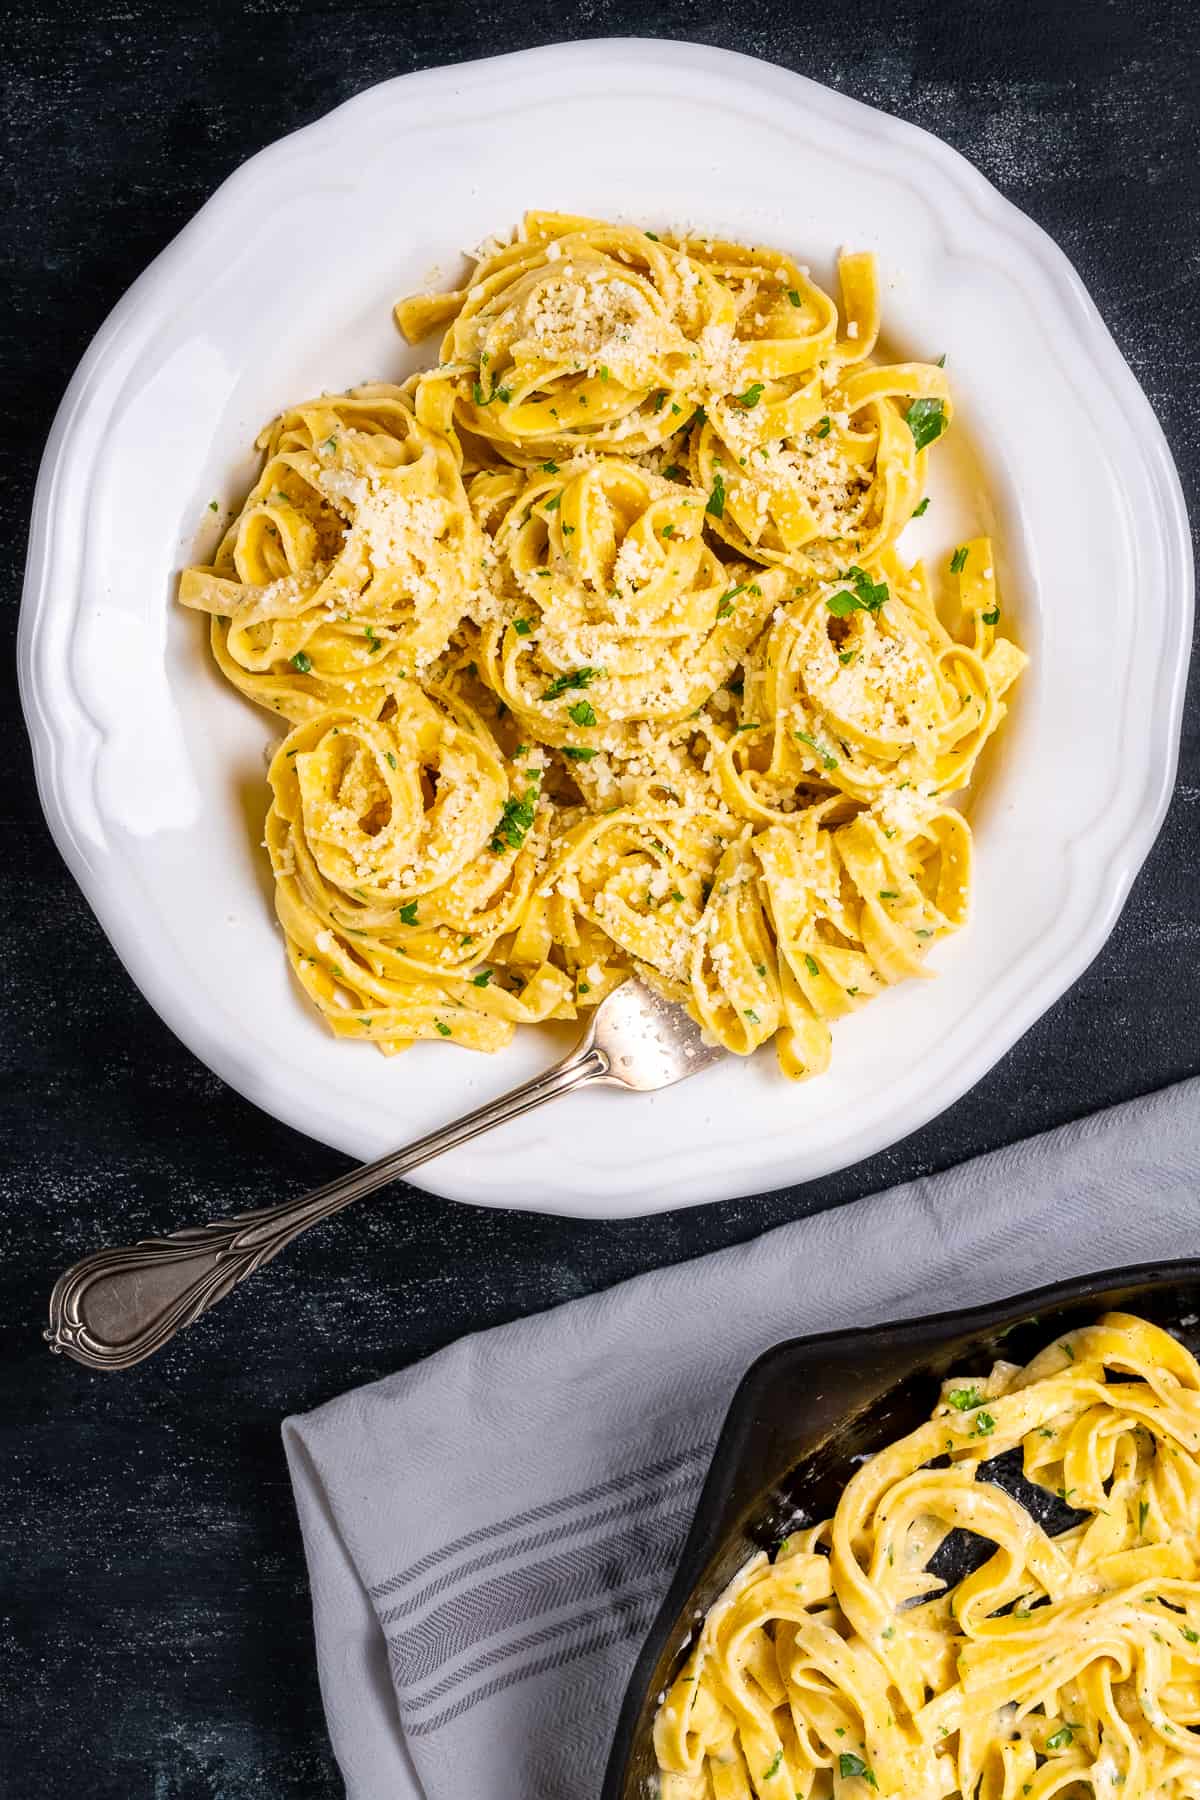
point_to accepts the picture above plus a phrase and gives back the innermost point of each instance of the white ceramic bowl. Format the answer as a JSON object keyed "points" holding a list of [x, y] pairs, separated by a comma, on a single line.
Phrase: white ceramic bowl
{"points": [[151, 770]]}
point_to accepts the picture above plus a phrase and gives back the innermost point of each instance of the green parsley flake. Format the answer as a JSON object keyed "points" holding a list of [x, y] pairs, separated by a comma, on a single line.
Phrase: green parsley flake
{"points": [[725, 603], [751, 397], [1143, 1515], [522, 627], [577, 753], [811, 964], [991, 618], [965, 1399], [958, 561], [824, 756], [408, 913], [673, 472], [984, 1424], [213, 507], [919, 511], [482, 979], [850, 1765], [774, 1766], [1062, 1739], [716, 500], [867, 596], [550, 468], [301, 661], [926, 421], [824, 427], [391, 761], [574, 678], [514, 821], [553, 504], [752, 1015], [793, 295], [444, 1030], [888, 894], [581, 713]]}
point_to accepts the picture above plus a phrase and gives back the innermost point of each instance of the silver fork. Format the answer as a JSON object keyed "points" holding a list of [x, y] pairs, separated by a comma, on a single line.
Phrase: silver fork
{"points": [[118, 1306]]}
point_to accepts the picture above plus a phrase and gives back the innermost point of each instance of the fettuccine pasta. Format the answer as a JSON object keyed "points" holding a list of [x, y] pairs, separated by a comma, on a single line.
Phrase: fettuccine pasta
{"points": [[1066, 1664], [601, 658]]}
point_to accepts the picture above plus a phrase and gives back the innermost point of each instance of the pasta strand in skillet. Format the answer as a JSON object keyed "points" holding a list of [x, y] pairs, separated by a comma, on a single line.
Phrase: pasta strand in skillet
{"points": [[601, 658]]}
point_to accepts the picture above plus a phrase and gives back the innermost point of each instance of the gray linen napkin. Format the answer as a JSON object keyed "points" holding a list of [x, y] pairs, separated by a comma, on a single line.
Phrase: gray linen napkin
{"points": [[489, 1533]]}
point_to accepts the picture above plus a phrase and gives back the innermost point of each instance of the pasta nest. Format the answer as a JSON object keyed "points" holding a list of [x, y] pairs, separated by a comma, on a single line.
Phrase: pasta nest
{"points": [[620, 609], [404, 846], [352, 562], [581, 334]]}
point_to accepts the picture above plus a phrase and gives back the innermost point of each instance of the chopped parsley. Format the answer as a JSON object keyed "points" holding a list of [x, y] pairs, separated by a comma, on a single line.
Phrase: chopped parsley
{"points": [[482, 979], [845, 657], [522, 627], [553, 504], [330, 444], [659, 397], [793, 295], [725, 603], [752, 1015], [919, 511], [577, 753], [1143, 1515], [390, 759], [864, 595], [984, 1424], [926, 421], [958, 561], [653, 235], [811, 964], [888, 894], [581, 713], [514, 821], [408, 913], [751, 397], [965, 1399], [991, 618], [774, 1765], [603, 373], [824, 427], [850, 1765], [213, 507], [550, 468], [716, 500], [444, 1030], [668, 531], [373, 639], [1193, 1637], [301, 661], [574, 678], [1062, 1739], [568, 531], [673, 472], [824, 755]]}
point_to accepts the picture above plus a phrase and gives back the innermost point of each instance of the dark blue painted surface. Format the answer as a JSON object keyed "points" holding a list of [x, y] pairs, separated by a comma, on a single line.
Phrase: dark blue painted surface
{"points": [[153, 1611]]}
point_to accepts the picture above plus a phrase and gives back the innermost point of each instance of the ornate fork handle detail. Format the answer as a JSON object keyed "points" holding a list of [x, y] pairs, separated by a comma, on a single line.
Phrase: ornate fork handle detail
{"points": [[118, 1306]]}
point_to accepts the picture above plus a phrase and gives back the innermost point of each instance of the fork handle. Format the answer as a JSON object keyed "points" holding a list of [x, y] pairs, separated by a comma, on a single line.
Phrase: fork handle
{"points": [[119, 1306]]}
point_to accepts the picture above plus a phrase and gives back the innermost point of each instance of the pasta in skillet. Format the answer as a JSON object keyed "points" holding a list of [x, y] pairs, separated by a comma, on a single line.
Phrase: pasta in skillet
{"points": [[600, 656], [1066, 1664]]}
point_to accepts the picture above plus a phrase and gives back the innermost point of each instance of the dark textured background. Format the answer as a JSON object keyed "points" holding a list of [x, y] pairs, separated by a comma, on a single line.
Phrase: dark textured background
{"points": [[154, 1636]]}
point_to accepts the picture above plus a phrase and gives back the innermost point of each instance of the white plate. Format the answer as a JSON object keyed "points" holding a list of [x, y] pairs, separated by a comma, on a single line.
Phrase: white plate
{"points": [[151, 770]]}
